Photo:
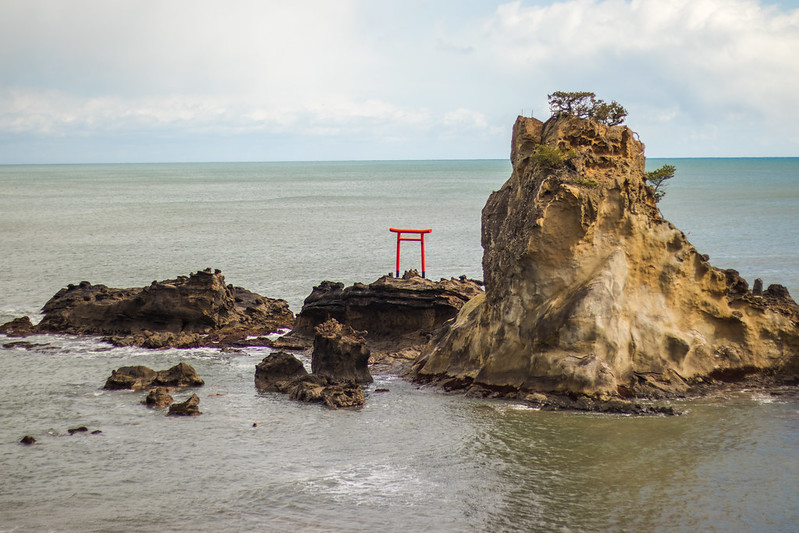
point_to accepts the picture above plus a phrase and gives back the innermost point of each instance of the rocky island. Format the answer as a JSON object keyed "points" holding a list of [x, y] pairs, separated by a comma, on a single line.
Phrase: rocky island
{"points": [[590, 292], [186, 312]]}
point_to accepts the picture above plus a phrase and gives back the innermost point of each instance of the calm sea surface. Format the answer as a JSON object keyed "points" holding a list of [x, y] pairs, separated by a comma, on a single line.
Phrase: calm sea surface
{"points": [[412, 459]]}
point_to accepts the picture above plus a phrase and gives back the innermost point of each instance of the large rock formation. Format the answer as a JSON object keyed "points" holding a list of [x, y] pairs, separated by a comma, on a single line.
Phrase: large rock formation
{"points": [[589, 290], [388, 308], [189, 311]]}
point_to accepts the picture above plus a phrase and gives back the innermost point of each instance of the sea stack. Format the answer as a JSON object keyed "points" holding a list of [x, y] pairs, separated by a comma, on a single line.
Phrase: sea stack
{"points": [[589, 290]]}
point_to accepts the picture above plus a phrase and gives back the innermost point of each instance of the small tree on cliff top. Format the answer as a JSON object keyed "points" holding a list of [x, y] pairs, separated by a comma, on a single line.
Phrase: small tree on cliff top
{"points": [[657, 179], [586, 105]]}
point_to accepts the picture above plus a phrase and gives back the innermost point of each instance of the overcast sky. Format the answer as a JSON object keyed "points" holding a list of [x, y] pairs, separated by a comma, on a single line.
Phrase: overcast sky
{"points": [[257, 80]]}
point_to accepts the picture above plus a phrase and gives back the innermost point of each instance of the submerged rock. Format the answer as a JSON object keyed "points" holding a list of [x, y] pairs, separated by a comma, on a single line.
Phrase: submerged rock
{"points": [[589, 291], [141, 377], [190, 311]]}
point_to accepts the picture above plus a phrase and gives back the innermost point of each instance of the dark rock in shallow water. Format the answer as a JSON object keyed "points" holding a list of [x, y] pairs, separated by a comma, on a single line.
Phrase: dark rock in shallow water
{"points": [[282, 372], [340, 353], [319, 389], [19, 327], [80, 429], [190, 407], [28, 440], [276, 370], [189, 311], [130, 377], [142, 377], [158, 397]]}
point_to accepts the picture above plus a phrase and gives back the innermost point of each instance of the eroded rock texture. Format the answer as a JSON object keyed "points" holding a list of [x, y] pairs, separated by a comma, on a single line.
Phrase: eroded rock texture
{"points": [[189, 311], [388, 308], [589, 290]]}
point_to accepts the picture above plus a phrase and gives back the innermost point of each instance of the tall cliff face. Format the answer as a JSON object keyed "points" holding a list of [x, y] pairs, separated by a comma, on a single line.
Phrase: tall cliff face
{"points": [[590, 290]]}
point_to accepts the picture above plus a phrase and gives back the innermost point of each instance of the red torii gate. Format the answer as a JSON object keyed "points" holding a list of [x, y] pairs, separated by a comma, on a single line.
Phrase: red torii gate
{"points": [[400, 238]]}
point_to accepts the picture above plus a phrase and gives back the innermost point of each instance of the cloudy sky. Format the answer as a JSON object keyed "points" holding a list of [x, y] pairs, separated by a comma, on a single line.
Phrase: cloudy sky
{"points": [[258, 80]]}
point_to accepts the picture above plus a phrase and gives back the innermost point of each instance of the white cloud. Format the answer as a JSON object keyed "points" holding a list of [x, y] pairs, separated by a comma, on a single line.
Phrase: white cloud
{"points": [[711, 56], [429, 78]]}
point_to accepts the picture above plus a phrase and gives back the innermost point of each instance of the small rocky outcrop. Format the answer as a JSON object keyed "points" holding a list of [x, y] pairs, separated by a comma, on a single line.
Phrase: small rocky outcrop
{"points": [[190, 407], [141, 377], [340, 353], [589, 291], [283, 372], [388, 308], [158, 397], [19, 327], [195, 310], [277, 370], [320, 389], [28, 440]]}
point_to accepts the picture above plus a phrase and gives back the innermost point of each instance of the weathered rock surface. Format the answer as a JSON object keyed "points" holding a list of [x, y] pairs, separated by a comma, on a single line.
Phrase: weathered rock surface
{"points": [[388, 308], [190, 407], [19, 327], [277, 370], [141, 377], [590, 291], [340, 353], [158, 397], [283, 372], [190, 311], [319, 389]]}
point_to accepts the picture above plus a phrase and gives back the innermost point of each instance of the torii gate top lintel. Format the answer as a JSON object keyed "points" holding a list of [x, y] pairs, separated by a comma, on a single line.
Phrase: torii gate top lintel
{"points": [[420, 239]]}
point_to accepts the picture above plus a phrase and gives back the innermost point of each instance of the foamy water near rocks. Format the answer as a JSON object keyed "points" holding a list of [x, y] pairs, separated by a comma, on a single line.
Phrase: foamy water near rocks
{"points": [[589, 290]]}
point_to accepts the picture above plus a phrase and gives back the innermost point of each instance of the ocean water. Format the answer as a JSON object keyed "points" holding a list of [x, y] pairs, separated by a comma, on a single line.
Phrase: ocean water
{"points": [[414, 459]]}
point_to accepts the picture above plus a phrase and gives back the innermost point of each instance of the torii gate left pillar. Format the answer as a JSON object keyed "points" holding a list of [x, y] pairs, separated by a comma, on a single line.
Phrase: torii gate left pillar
{"points": [[420, 238]]}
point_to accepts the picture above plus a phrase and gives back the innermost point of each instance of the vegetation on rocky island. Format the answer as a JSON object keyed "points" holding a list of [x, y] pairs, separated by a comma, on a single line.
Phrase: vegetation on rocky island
{"points": [[657, 180], [586, 105], [550, 158]]}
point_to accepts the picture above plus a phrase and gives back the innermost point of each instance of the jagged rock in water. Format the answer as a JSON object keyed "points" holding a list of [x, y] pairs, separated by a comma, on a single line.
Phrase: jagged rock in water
{"points": [[282, 372], [188, 311], [190, 407], [589, 290], [389, 307], [158, 397], [141, 377], [19, 327], [315, 388], [340, 353], [276, 370]]}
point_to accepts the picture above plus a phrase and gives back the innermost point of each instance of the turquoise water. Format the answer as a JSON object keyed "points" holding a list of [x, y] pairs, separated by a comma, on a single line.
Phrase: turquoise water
{"points": [[413, 459]]}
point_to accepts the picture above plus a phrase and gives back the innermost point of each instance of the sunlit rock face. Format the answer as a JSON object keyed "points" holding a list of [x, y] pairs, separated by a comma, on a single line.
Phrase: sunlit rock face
{"points": [[588, 289]]}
